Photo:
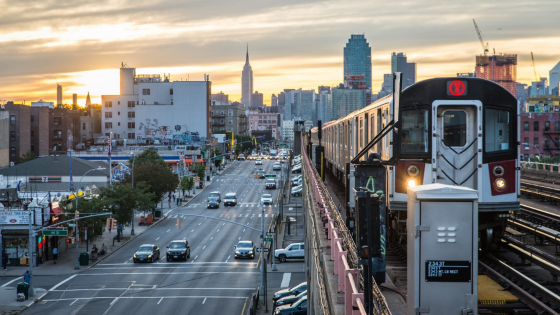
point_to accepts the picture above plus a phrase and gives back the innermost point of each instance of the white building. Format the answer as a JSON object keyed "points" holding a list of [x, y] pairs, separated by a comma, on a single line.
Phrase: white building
{"points": [[42, 103], [288, 130], [151, 108]]}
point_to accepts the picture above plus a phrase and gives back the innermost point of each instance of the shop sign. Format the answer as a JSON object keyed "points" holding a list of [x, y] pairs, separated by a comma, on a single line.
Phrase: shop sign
{"points": [[14, 217]]}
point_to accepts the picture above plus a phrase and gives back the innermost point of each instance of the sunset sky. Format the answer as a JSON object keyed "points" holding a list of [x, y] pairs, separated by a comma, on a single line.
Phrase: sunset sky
{"points": [[292, 43]]}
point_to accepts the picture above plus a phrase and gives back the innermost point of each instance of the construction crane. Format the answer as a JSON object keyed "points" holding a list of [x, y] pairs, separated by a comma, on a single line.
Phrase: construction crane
{"points": [[484, 48], [536, 78]]}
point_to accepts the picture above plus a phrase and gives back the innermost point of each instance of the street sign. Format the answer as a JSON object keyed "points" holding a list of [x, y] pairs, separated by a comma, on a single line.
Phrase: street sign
{"points": [[261, 250], [270, 233], [270, 175], [55, 232], [268, 239]]}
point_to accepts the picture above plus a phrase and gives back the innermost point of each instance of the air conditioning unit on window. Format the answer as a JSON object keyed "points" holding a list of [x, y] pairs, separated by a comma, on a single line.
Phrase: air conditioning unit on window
{"points": [[12, 163]]}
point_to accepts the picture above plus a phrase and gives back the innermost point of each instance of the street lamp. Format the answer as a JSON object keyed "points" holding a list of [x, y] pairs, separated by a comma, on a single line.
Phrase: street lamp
{"points": [[133, 159], [77, 265]]}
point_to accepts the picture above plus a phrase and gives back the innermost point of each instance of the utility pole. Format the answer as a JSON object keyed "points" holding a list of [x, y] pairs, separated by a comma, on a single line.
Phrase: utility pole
{"points": [[30, 249], [262, 248], [132, 228]]}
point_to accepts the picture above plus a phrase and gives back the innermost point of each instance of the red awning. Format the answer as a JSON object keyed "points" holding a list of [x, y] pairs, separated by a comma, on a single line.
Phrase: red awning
{"points": [[57, 211], [188, 161], [172, 162], [200, 161]]}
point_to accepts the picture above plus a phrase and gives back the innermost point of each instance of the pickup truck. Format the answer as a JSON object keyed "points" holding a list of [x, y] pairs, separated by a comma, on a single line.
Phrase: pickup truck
{"points": [[293, 251]]}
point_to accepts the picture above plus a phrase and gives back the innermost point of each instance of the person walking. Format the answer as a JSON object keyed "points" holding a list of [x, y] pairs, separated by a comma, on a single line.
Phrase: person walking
{"points": [[4, 260], [26, 277], [55, 254], [174, 197]]}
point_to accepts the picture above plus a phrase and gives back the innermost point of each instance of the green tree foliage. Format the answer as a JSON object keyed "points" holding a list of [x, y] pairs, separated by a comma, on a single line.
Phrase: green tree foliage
{"points": [[158, 176], [122, 199], [149, 155], [28, 156], [199, 169], [87, 207], [187, 184]]}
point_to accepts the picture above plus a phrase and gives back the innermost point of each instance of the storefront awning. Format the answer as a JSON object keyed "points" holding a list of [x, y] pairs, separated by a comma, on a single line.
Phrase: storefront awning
{"points": [[57, 211], [188, 161]]}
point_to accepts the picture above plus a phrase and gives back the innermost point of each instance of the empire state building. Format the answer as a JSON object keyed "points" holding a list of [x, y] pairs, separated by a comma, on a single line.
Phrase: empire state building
{"points": [[246, 82]]}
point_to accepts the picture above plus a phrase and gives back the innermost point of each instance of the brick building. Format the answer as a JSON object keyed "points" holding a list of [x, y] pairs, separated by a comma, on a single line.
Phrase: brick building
{"points": [[540, 135]]}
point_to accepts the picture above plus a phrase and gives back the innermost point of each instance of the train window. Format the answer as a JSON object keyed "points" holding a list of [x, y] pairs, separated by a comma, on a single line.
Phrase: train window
{"points": [[454, 128], [496, 130], [414, 131]]}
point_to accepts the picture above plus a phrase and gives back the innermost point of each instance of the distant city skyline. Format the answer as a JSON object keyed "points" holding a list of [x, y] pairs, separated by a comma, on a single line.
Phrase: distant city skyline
{"points": [[82, 53]]}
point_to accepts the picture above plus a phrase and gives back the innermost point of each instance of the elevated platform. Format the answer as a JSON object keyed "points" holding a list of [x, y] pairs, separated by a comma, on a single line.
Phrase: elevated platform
{"points": [[491, 293]]}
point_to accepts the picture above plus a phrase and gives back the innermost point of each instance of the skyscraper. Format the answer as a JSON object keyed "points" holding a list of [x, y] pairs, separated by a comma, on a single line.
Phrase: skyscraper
{"points": [[58, 94], [399, 63], [555, 79], [357, 59], [246, 82]]}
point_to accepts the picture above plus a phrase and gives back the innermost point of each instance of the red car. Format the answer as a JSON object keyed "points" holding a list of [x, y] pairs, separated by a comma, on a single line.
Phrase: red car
{"points": [[270, 184]]}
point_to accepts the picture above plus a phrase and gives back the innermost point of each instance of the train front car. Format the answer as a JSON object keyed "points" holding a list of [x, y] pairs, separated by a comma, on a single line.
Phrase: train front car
{"points": [[459, 131]]}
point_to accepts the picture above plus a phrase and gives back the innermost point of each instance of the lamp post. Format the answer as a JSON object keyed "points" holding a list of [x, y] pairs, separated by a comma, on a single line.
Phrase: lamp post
{"points": [[32, 208], [133, 159], [262, 247], [77, 264]]}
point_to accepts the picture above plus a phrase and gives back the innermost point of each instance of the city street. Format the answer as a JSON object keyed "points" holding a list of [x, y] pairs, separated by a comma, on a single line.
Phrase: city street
{"points": [[211, 281]]}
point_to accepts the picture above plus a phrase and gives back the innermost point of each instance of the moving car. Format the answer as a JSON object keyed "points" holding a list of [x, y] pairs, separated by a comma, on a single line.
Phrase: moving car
{"points": [[260, 173], [258, 162], [241, 157], [178, 249], [213, 202], [287, 300], [266, 199], [270, 183], [215, 194], [277, 166], [292, 251], [290, 291], [147, 253], [297, 191], [230, 199], [297, 308], [244, 249]]}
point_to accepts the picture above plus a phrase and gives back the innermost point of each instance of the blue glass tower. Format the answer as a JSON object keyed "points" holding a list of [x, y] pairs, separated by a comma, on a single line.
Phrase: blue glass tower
{"points": [[357, 58]]}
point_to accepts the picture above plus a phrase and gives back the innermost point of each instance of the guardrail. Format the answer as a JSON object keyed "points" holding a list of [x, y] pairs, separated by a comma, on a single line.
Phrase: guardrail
{"points": [[553, 168], [343, 250]]}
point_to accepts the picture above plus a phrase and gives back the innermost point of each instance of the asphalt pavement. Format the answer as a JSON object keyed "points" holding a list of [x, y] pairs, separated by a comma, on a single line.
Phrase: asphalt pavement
{"points": [[209, 282]]}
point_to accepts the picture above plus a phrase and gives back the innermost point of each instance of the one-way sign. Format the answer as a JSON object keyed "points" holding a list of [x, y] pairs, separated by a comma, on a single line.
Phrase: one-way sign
{"points": [[261, 249]]}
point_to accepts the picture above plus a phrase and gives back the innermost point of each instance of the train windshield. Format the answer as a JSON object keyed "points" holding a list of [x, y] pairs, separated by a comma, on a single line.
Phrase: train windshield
{"points": [[454, 128], [496, 130], [414, 131]]}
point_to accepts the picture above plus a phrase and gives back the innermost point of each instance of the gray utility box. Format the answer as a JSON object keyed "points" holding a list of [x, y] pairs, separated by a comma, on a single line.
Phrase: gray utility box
{"points": [[442, 244]]}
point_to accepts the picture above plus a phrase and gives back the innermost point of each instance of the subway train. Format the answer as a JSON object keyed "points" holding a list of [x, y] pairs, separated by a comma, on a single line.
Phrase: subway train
{"points": [[455, 131]]}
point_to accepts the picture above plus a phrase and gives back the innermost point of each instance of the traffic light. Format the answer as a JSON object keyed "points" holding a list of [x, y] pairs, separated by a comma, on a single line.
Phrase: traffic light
{"points": [[39, 242]]}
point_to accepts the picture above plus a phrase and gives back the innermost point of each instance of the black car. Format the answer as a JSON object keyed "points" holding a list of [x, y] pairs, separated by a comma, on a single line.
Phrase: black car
{"points": [[244, 249], [178, 249], [230, 199], [260, 173], [147, 253], [297, 308], [287, 300], [213, 202], [290, 291]]}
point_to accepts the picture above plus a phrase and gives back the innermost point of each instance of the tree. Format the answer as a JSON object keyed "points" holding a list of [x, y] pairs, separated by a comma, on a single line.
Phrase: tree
{"points": [[187, 184], [94, 225], [122, 199], [149, 155], [157, 176], [199, 169], [28, 156]]}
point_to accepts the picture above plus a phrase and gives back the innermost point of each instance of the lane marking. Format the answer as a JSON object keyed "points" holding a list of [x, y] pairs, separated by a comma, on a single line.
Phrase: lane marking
{"points": [[149, 297], [157, 238], [218, 231], [286, 280], [168, 230], [114, 301], [63, 282], [228, 258], [73, 302], [200, 223], [191, 231], [211, 237], [159, 300], [204, 301], [7, 283], [204, 247]]}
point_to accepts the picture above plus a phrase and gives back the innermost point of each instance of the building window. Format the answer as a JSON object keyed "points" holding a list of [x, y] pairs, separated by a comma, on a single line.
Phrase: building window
{"points": [[108, 114], [108, 125], [32, 148], [230, 113], [547, 126], [108, 104], [12, 120], [131, 125], [57, 121], [526, 143], [526, 126], [32, 133], [535, 126], [58, 134], [131, 135], [547, 143], [119, 123], [118, 113], [145, 91], [536, 142], [13, 152], [13, 135], [83, 126], [230, 122], [32, 118], [131, 104], [170, 91], [131, 114], [118, 102]]}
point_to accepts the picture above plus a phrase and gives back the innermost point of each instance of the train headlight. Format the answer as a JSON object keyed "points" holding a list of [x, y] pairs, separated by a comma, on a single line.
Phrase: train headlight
{"points": [[411, 183], [500, 184], [498, 171], [413, 170]]}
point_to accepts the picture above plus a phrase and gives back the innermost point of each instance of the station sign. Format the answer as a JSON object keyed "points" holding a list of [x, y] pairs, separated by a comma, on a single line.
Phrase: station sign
{"points": [[456, 88]]}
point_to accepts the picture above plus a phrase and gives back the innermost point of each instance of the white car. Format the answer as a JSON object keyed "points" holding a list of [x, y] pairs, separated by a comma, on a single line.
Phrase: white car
{"points": [[277, 166], [292, 251], [258, 162], [266, 199]]}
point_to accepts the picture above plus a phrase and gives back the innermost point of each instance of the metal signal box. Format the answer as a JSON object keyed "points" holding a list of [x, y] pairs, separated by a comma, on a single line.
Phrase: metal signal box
{"points": [[442, 245]]}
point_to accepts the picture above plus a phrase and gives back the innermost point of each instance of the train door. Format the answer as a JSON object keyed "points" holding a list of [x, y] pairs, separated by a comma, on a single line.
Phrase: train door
{"points": [[457, 147]]}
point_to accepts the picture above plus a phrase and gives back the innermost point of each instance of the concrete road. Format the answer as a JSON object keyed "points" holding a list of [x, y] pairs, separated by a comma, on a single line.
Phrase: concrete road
{"points": [[210, 282]]}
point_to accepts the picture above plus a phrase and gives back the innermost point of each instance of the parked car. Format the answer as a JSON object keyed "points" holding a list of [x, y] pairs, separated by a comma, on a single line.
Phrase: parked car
{"points": [[215, 194], [244, 249], [297, 182], [230, 199], [277, 166], [295, 179], [287, 300], [266, 199], [297, 308], [297, 191], [178, 249], [147, 253], [296, 169], [213, 202], [292, 251], [270, 183], [258, 162], [290, 291]]}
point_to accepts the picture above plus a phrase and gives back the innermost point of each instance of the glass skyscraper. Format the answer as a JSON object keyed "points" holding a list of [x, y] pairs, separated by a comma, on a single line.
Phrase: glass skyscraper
{"points": [[357, 58]]}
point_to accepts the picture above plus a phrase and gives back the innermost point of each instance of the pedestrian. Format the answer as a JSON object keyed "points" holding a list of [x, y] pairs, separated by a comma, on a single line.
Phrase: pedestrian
{"points": [[4, 260], [26, 277], [174, 197], [55, 254]]}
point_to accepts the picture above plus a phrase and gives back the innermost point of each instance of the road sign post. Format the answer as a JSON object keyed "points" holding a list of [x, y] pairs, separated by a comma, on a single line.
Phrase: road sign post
{"points": [[270, 175], [55, 233]]}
